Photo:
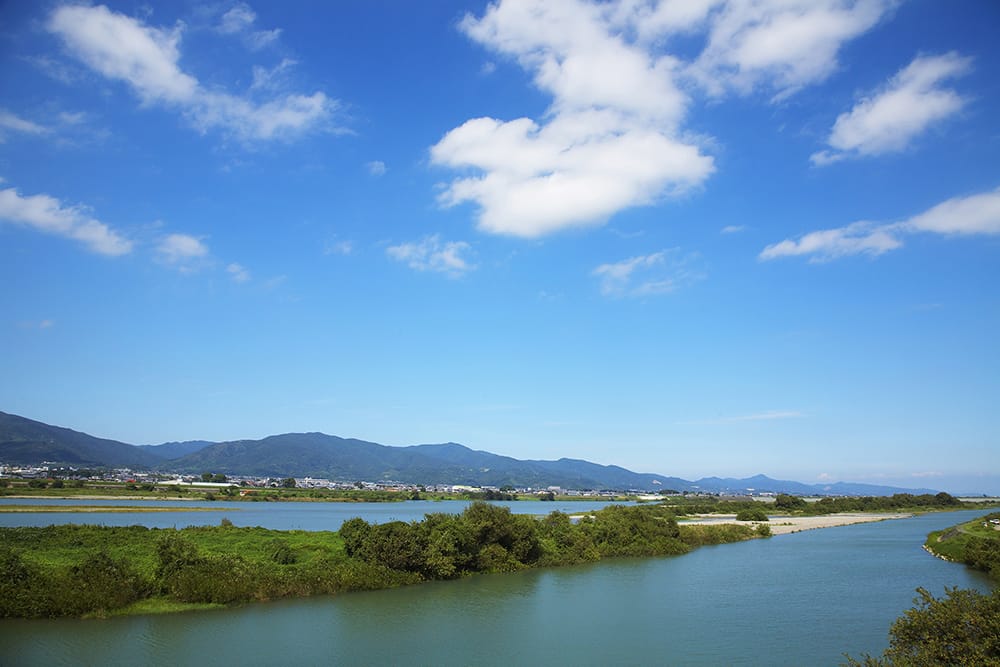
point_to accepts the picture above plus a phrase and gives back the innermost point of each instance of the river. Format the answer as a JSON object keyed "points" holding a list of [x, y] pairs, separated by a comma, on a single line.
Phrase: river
{"points": [[800, 599]]}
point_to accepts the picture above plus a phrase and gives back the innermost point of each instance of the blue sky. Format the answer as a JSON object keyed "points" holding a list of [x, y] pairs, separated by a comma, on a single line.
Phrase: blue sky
{"points": [[691, 238]]}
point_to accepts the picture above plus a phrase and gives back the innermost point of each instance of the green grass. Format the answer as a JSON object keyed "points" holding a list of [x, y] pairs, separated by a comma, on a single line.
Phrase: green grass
{"points": [[951, 542], [157, 605]]}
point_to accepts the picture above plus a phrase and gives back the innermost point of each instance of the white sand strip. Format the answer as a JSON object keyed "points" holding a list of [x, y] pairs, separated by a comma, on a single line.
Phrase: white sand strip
{"points": [[781, 525]]}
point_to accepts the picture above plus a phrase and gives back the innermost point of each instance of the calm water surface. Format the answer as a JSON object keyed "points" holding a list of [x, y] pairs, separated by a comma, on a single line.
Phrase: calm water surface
{"points": [[275, 515], [800, 599]]}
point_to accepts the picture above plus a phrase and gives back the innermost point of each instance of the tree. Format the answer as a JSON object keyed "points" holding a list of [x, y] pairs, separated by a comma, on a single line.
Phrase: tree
{"points": [[962, 628], [288, 483], [788, 502]]}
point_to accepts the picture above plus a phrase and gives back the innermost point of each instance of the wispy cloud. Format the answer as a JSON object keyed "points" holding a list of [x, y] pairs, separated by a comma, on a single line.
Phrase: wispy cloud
{"points": [[147, 58], [377, 168], [47, 214], [769, 415], [859, 238], [977, 214], [433, 254], [240, 20], [890, 120], [12, 123], [238, 272], [182, 251], [38, 325], [337, 246], [733, 229], [646, 275]]}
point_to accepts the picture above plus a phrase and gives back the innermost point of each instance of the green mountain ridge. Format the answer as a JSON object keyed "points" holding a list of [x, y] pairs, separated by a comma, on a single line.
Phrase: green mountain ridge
{"points": [[27, 442]]}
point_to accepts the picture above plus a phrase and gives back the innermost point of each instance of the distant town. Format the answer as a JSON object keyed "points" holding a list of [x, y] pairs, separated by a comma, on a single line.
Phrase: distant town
{"points": [[54, 476]]}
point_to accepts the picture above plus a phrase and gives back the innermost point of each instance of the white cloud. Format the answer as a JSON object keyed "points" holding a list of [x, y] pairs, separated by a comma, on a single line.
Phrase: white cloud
{"points": [[891, 119], [977, 214], [645, 275], [48, 214], [238, 272], [609, 141], [855, 239], [10, 122], [613, 136], [777, 45], [377, 168], [147, 59], [182, 251], [431, 254], [733, 229]]}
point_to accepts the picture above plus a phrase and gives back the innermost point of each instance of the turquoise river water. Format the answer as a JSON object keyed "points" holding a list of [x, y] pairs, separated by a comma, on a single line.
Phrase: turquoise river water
{"points": [[800, 599]]}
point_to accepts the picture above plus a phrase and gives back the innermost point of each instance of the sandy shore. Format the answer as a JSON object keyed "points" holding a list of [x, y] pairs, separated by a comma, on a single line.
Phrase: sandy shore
{"points": [[781, 525]]}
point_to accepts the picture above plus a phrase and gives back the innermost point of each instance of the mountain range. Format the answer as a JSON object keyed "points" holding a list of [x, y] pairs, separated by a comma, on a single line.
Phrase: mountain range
{"points": [[27, 442]]}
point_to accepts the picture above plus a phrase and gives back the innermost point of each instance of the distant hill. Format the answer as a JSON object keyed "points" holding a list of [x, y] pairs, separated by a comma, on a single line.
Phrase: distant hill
{"points": [[175, 450], [327, 456], [764, 484], [25, 442]]}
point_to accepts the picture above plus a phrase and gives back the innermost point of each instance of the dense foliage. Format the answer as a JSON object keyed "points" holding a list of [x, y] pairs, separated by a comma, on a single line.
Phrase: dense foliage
{"points": [[962, 628], [897, 502], [75, 570]]}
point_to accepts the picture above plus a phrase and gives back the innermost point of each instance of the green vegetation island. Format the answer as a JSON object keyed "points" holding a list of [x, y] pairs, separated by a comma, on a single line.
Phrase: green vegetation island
{"points": [[85, 570]]}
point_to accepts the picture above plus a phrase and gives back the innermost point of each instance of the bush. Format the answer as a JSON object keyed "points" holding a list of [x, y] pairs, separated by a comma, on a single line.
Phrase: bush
{"points": [[751, 515], [962, 628], [101, 584]]}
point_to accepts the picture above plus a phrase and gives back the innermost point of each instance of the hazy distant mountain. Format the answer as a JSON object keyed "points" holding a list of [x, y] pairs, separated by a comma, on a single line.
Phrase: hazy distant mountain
{"points": [[175, 450], [764, 484], [24, 442], [755, 484]]}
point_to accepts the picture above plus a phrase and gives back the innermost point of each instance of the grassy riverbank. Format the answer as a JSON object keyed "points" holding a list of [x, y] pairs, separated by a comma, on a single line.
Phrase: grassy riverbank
{"points": [[78, 570], [975, 543]]}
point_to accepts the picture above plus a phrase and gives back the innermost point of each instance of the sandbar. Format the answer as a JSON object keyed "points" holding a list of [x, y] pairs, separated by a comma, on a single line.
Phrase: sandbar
{"points": [[782, 525]]}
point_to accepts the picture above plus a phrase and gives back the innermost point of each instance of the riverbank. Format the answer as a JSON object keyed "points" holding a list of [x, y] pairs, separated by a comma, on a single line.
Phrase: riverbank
{"points": [[975, 543], [103, 509], [783, 525]]}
